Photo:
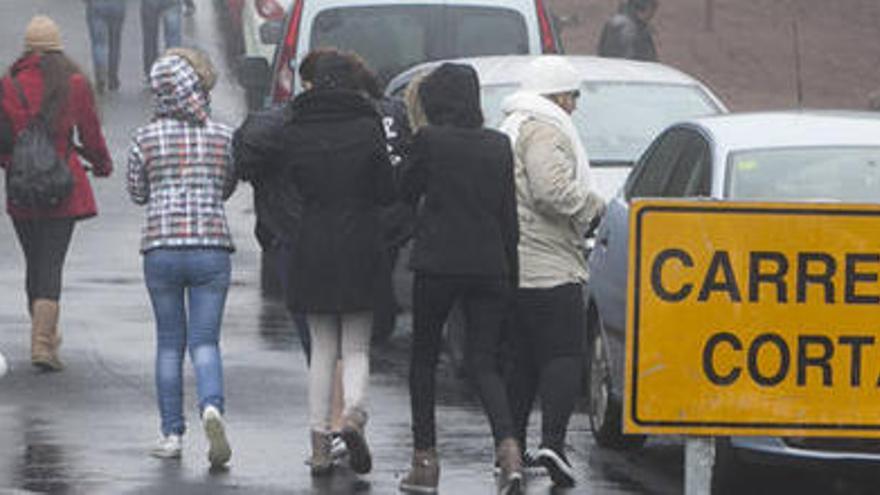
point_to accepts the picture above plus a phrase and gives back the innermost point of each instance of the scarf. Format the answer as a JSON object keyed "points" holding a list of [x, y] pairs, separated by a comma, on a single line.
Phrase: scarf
{"points": [[522, 106]]}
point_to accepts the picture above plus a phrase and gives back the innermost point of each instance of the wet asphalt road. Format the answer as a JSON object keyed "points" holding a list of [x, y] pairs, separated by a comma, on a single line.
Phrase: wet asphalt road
{"points": [[87, 430]]}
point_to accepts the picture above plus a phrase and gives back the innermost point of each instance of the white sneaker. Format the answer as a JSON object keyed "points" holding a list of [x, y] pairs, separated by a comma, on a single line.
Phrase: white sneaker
{"points": [[338, 448], [168, 447], [218, 446]]}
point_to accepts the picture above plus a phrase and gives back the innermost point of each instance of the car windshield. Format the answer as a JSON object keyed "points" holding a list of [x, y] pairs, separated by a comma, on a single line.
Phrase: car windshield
{"points": [[617, 121], [393, 38], [847, 174]]}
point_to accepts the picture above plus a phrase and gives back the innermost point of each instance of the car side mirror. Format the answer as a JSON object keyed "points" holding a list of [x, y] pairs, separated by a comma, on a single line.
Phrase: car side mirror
{"points": [[254, 73], [271, 32]]}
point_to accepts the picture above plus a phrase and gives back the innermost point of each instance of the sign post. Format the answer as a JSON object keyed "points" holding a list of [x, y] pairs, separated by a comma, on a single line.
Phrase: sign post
{"points": [[752, 319]]}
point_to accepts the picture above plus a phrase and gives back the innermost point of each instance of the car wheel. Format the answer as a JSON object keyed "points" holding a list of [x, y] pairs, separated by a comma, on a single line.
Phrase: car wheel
{"points": [[603, 408], [730, 475]]}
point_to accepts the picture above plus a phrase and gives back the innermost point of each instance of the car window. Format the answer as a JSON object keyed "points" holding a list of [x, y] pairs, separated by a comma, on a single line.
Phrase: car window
{"points": [[655, 170], [478, 31], [390, 38], [849, 174], [691, 172]]}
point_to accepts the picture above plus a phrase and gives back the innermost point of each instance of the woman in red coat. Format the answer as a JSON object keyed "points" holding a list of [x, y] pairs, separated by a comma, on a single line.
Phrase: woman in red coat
{"points": [[52, 86]]}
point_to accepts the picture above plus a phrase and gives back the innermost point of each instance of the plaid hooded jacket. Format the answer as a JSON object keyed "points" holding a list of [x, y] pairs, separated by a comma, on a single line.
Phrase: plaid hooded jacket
{"points": [[180, 165]]}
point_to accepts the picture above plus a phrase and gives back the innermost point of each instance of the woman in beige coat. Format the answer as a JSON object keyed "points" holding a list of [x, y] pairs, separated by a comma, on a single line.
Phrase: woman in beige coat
{"points": [[555, 205]]}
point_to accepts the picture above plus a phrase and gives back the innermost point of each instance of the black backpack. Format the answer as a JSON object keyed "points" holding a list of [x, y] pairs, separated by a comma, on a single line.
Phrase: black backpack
{"points": [[38, 176]]}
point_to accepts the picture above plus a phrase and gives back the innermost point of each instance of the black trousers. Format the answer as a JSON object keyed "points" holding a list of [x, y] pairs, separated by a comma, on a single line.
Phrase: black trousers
{"points": [[546, 347], [485, 301], [45, 244]]}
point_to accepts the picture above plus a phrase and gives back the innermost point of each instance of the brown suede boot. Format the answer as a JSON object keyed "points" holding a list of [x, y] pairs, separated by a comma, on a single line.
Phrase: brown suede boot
{"points": [[424, 475], [359, 457], [45, 338], [509, 455], [321, 461]]}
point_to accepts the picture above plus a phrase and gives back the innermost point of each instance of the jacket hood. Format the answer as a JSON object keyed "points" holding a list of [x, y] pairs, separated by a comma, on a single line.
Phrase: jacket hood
{"points": [[450, 95], [178, 92]]}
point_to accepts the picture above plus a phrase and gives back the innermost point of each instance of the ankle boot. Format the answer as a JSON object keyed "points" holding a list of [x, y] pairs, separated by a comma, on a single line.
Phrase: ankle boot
{"points": [[359, 457], [321, 462], [424, 475], [45, 338], [510, 479]]}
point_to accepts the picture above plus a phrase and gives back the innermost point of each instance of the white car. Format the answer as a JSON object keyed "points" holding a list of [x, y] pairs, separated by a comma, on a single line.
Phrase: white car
{"points": [[262, 23], [623, 105], [393, 35]]}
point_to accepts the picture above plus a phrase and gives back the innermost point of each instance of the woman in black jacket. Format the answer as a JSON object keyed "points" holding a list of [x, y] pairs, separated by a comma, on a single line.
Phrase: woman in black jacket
{"points": [[336, 157], [465, 251]]}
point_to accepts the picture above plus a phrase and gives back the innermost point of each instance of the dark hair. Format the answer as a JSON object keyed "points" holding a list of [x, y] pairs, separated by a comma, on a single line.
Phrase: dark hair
{"points": [[450, 96], [367, 79], [307, 66], [57, 68], [338, 71]]}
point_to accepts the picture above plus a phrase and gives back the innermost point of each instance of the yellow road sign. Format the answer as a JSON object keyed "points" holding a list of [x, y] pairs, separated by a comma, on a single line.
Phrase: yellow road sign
{"points": [[753, 319]]}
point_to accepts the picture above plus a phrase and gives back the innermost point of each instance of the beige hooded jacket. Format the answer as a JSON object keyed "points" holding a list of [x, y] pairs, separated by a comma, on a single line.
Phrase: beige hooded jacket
{"points": [[555, 202]]}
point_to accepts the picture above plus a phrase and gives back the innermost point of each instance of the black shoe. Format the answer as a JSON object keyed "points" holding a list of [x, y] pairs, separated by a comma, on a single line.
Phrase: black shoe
{"points": [[113, 84], [557, 465]]}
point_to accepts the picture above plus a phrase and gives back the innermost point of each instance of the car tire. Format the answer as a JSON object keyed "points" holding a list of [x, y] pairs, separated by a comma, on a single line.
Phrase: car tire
{"points": [[603, 408], [730, 475]]}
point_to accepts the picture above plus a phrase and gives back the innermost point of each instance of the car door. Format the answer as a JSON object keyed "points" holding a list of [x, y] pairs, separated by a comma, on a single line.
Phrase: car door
{"points": [[677, 164]]}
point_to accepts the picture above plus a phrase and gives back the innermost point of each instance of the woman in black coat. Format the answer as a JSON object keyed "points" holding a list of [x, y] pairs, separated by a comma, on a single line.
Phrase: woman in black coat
{"points": [[337, 160], [465, 251]]}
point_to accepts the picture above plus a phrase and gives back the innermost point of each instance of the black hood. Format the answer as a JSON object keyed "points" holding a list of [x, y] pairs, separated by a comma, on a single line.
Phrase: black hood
{"points": [[450, 96]]}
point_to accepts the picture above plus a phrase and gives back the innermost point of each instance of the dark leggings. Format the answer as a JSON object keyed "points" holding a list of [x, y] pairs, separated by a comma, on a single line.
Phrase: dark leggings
{"points": [[45, 244], [547, 348], [485, 301]]}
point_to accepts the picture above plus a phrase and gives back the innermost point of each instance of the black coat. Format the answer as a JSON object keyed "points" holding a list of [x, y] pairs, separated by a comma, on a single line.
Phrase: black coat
{"points": [[335, 155], [257, 147], [627, 36], [467, 222]]}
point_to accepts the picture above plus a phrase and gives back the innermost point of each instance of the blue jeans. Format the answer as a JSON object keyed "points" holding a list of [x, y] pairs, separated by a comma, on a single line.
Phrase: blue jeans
{"points": [[169, 13], [105, 19], [188, 290]]}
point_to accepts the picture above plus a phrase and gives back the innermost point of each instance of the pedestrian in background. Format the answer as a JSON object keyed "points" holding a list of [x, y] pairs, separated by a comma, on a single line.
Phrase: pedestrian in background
{"points": [[464, 252], [45, 84], [629, 34], [168, 13], [180, 167], [105, 19], [338, 161], [556, 206], [189, 7]]}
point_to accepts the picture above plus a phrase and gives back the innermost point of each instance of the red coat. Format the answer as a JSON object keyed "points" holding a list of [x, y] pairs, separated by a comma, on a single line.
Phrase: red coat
{"points": [[79, 114]]}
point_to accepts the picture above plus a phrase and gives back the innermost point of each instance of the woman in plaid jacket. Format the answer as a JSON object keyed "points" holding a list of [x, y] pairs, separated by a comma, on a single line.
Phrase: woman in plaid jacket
{"points": [[180, 167]]}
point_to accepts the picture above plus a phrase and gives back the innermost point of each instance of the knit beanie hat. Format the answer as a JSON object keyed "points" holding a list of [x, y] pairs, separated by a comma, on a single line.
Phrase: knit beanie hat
{"points": [[42, 35]]}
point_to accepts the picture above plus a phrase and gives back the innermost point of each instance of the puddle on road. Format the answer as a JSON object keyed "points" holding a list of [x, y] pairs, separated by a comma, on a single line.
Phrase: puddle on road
{"points": [[44, 467]]}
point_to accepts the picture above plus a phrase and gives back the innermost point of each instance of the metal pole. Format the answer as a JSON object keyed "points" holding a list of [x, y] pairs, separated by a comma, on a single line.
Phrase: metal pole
{"points": [[799, 78], [710, 15], [699, 458]]}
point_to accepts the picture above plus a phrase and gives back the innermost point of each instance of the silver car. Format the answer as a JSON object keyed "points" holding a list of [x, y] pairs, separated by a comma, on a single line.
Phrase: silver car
{"points": [[796, 156]]}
